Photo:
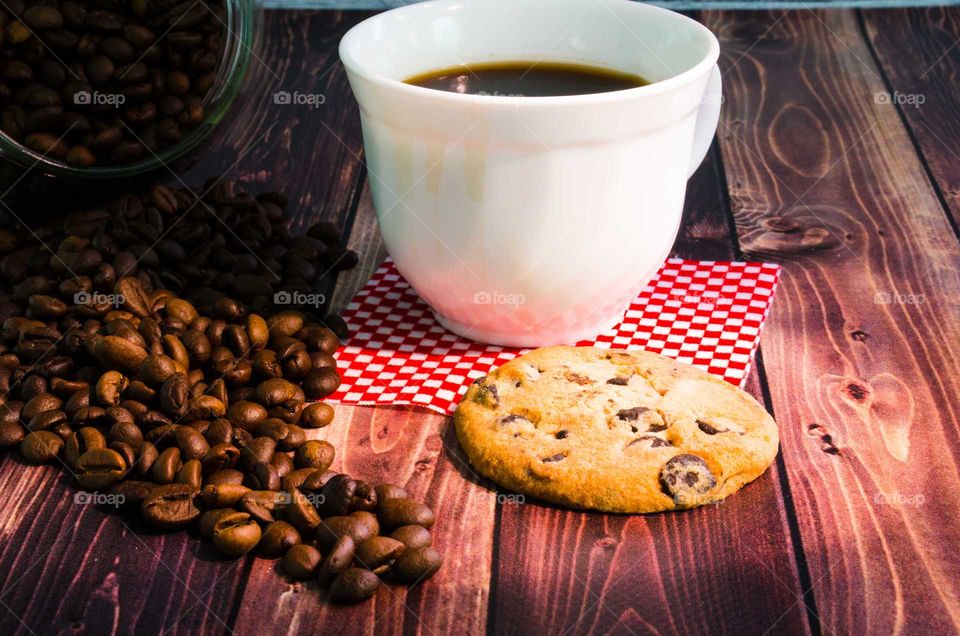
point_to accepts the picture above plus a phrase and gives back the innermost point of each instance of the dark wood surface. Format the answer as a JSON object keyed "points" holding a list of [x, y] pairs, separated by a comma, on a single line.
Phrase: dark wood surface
{"points": [[853, 530]]}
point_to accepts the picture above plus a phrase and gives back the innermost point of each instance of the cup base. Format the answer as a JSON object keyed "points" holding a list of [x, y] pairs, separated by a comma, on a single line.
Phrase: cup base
{"points": [[533, 339]]}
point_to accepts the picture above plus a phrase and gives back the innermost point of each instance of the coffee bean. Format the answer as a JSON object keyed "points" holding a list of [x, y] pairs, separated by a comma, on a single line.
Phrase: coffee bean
{"points": [[235, 534], [417, 564], [354, 585], [301, 561], [319, 383], [338, 559], [43, 17], [263, 476], [283, 464], [156, 369], [220, 456], [191, 443], [301, 513], [394, 513], [274, 392], [11, 434], [40, 447], [118, 353], [110, 388], [210, 518], [224, 476], [174, 395], [100, 468], [318, 454], [338, 494], [364, 497], [40, 404], [316, 415], [357, 528], [190, 473], [262, 504], [277, 539], [171, 507], [390, 491], [165, 468], [246, 415], [413, 536], [124, 430], [222, 495], [378, 553], [84, 439]]}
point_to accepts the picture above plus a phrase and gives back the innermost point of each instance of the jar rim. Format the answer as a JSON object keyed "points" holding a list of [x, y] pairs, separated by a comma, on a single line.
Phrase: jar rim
{"points": [[240, 25]]}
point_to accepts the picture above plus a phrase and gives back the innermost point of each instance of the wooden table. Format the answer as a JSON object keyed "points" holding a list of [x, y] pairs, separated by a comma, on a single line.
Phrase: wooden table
{"points": [[826, 163]]}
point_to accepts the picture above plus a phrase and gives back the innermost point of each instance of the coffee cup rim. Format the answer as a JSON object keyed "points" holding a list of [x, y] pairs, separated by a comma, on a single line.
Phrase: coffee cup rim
{"points": [[355, 67]]}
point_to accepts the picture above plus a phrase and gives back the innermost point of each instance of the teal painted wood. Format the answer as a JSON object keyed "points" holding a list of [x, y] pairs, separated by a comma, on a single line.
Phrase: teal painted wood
{"points": [[679, 5]]}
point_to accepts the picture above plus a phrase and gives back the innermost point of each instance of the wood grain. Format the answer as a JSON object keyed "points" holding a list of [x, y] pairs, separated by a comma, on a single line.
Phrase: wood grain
{"points": [[924, 85], [70, 567], [861, 347]]}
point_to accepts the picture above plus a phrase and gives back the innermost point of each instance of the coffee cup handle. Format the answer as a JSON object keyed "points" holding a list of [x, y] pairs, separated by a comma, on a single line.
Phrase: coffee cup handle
{"points": [[707, 118]]}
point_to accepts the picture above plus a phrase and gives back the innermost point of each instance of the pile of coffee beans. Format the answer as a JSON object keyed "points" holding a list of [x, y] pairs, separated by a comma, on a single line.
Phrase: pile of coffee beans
{"points": [[152, 346], [105, 81]]}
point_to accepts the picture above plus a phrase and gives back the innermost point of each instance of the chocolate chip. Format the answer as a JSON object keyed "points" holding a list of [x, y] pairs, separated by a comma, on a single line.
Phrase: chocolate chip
{"points": [[709, 429], [487, 394], [619, 381], [650, 441], [562, 434], [631, 415], [513, 417], [685, 477], [554, 458]]}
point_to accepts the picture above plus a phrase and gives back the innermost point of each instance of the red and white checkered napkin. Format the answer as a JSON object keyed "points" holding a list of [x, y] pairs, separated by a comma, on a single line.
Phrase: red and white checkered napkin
{"points": [[705, 313]]}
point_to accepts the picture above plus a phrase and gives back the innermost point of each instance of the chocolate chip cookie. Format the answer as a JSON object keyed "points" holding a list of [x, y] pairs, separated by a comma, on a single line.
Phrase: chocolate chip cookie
{"points": [[619, 431]]}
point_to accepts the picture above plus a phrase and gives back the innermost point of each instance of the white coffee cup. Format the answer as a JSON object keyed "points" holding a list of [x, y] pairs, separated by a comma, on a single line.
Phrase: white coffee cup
{"points": [[531, 221]]}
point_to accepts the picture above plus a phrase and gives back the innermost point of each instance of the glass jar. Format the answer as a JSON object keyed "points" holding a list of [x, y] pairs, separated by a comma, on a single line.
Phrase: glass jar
{"points": [[243, 21]]}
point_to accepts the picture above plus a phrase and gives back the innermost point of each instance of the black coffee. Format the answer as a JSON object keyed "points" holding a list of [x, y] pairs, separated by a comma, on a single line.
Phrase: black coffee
{"points": [[527, 79]]}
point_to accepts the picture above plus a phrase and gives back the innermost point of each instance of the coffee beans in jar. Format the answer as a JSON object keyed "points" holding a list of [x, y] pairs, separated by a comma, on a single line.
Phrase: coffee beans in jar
{"points": [[184, 388], [91, 83]]}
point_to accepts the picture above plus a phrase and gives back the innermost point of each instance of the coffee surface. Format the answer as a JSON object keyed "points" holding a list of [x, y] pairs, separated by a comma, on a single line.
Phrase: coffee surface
{"points": [[527, 79]]}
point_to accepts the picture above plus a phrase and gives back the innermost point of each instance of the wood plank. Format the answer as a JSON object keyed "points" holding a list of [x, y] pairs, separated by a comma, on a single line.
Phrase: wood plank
{"points": [[861, 350], [82, 569], [924, 85], [721, 569], [71, 566]]}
